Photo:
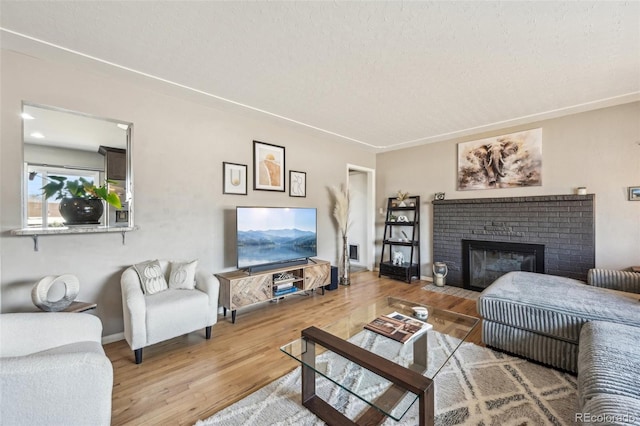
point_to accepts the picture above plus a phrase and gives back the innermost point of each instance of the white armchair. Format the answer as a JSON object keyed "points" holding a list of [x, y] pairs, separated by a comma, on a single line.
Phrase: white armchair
{"points": [[153, 318], [53, 370]]}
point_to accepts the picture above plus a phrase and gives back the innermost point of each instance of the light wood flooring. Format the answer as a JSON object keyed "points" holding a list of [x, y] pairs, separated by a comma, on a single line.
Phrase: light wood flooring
{"points": [[189, 378]]}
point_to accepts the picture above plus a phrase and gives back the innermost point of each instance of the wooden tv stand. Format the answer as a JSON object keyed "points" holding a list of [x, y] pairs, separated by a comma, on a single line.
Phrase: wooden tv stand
{"points": [[239, 289]]}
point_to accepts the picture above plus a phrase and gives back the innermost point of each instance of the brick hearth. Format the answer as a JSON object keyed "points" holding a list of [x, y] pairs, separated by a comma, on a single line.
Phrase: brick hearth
{"points": [[563, 223]]}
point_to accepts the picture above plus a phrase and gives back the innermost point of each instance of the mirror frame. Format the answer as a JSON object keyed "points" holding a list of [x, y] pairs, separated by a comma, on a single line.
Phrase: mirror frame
{"points": [[129, 199]]}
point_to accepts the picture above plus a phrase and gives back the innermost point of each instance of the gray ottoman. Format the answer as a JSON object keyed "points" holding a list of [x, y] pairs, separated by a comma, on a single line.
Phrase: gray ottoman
{"points": [[540, 316], [609, 374]]}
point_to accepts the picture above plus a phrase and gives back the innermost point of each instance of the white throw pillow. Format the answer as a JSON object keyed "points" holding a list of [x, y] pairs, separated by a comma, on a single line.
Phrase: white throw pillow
{"points": [[183, 275], [151, 277]]}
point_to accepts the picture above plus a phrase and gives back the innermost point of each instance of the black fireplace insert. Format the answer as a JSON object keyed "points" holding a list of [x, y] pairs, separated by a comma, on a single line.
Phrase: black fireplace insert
{"points": [[483, 262]]}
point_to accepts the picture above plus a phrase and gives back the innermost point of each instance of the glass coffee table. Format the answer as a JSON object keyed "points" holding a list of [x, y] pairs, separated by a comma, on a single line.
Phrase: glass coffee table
{"points": [[385, 376]]}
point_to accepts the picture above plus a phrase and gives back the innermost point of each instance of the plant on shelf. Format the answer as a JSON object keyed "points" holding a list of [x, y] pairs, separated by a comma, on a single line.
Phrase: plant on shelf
{"points": [[80, 188], [401, 197], [80, 199], [341, 214]]}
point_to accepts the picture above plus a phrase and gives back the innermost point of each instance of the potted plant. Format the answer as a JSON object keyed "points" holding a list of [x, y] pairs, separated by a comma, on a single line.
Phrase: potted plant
{"points": [[401, 197], [81, 200]]}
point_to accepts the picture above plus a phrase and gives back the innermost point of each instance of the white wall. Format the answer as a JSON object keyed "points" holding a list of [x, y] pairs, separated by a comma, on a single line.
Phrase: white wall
{"points": [[178, 150], [598, 149], [358, 204]]}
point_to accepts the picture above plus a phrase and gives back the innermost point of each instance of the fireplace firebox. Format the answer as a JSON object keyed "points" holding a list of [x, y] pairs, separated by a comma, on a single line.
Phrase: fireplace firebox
{"points": [[485, 261]]}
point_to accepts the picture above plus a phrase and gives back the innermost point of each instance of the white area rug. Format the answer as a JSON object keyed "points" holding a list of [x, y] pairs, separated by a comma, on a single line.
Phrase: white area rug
{"points": [[453, 291], [478, 386]]}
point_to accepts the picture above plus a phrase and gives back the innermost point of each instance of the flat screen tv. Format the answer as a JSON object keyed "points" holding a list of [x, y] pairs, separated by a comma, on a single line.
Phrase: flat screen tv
{"points": [[275, 235]]}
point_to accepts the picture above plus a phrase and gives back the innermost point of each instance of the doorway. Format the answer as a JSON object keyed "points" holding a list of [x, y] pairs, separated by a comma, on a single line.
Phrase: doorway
{"points": [[361, 238]]}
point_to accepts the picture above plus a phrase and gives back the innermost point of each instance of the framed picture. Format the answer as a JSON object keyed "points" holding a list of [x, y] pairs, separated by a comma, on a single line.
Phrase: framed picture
{"points": [[268, 167], [234, 178], [297, 184], [507, 161], [634, 193]]}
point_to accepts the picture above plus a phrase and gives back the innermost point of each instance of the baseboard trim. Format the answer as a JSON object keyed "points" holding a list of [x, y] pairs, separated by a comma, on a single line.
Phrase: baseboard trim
{"points": [[113, 338]]}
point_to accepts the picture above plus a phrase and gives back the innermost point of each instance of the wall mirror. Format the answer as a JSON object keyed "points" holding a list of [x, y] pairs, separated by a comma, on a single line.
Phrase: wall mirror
{"points": [[65, 144]]}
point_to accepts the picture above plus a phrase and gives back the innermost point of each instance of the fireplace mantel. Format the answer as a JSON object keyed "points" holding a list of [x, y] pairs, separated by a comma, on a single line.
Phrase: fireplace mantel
{"points": [[534, 199], [564, 224]]}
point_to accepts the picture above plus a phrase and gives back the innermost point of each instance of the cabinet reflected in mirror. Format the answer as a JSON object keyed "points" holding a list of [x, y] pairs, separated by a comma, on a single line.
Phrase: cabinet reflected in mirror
{"points": [[72, 147]]}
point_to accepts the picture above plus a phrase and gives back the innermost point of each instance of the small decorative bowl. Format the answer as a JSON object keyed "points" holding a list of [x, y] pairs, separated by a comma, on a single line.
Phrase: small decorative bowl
{"points": [[420, 312]]}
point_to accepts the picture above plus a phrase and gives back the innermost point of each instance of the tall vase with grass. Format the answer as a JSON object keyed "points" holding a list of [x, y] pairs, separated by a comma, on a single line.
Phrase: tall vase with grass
{"points": [[341, 214]]}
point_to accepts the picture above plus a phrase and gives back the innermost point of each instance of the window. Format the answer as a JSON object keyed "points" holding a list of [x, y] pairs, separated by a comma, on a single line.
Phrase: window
{"points": [[41, 212]]}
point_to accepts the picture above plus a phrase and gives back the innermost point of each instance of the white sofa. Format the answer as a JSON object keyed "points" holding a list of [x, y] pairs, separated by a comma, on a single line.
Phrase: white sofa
{"points": [[53, 370], [153, 318]]}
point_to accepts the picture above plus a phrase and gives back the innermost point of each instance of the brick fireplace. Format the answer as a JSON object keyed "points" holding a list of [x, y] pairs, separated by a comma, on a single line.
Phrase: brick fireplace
{"points": [[562, 224]]}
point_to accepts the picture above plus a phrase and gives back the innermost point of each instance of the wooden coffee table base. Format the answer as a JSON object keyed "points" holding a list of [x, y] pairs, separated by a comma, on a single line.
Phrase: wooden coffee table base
{"points": [[403, 378]]}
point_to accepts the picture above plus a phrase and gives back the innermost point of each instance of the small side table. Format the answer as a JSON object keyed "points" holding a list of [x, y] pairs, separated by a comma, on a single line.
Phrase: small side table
{"points": [[79, 307]]}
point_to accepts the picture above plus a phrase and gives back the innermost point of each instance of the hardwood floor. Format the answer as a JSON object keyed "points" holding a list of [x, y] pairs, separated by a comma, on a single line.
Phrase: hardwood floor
{"points": [[189, 378]]}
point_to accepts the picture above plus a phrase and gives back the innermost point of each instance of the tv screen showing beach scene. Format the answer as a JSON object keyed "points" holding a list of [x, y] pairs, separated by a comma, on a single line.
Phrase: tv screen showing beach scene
{"points": [[267, 235]]}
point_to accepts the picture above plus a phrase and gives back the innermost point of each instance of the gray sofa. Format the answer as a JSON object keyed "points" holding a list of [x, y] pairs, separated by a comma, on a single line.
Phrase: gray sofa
{"points": [[591, 329], [609, 373]]}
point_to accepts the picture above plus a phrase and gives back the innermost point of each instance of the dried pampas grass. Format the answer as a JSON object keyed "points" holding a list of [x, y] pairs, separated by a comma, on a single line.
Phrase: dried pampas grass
{"points": [[341, 208]]}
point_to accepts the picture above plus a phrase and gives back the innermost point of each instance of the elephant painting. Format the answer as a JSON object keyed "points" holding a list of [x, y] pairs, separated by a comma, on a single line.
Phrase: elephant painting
{"points": [[506, 161], [493, 155]]}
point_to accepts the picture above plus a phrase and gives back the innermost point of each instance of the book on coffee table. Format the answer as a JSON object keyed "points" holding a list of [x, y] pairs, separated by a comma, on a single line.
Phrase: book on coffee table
{"points": [[399, 327]]}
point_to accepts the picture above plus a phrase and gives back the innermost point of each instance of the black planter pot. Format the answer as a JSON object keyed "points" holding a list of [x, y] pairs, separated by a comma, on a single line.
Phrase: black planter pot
{"points": [[81, 211]]}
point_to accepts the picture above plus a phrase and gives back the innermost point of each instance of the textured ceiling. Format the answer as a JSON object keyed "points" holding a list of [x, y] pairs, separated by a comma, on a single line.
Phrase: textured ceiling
{"points": [[384, 74]]}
